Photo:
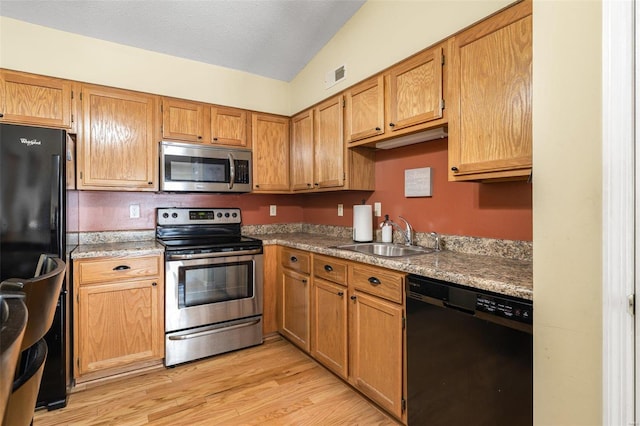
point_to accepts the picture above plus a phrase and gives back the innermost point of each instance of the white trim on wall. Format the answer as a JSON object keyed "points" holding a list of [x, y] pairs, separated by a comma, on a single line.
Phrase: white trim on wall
{"points": [[618, 215]]}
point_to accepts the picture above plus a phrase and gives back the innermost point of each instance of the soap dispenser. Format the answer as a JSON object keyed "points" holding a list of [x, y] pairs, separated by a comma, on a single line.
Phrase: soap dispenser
{"points": [[387, 230]]}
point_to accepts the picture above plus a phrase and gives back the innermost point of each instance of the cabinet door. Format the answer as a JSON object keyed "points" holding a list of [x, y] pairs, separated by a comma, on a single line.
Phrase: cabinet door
{"points": [[119, 324], [415, 90], [117, 147], [295, 308], [270, 140], [229, 126], [365, 109], [329, 144], [490, 130], [33, 99], [302, 151], [182, 120], [329, 325], [376, 350]]}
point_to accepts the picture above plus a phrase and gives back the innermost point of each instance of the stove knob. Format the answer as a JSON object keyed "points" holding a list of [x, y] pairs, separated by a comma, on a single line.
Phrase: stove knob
{"points": [[174, 215], [165, 215], [226, 215], [219, 214], [234, 214]]}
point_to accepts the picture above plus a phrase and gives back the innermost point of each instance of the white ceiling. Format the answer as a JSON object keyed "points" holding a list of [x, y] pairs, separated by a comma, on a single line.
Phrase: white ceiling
{"points": [[271, 38]]}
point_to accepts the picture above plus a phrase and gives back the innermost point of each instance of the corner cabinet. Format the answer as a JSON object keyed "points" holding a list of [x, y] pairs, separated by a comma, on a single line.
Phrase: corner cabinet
{"points": [[270, 144], [32, 99], [119, 315], [490, 124], [117, 143]]}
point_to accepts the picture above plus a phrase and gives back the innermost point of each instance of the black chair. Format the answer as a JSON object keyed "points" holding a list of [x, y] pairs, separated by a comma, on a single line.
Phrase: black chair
{"points": [[41, 298], [13, 321]]}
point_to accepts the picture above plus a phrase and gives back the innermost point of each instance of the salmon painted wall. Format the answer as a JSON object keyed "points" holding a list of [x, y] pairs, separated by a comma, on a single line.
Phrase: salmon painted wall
{"points": [[497, 210], [109, 211], [494, 210]]}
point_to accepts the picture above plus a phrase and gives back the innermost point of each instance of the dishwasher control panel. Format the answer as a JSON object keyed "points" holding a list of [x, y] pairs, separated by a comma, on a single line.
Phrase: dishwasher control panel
{"points": [[511, 309]]}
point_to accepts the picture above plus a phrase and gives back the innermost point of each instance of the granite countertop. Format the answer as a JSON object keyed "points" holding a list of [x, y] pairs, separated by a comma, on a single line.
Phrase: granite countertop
{"points": [[492, 273], [135, 248]]}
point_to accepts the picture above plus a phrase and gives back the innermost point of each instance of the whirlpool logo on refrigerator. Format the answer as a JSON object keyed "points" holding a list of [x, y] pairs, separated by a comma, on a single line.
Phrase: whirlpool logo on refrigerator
{"points": [[30, 142]]}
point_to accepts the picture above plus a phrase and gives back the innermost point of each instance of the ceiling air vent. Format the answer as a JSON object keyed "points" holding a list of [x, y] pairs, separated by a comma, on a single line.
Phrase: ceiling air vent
{"points": [[335, 76]]}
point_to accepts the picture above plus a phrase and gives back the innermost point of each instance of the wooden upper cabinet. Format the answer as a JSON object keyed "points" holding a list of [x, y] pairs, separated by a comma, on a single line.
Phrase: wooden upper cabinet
{"points": [[405, 99], [117, 146], [183, 120], [490, 132], [270, 142], [229, 126], [365, 109], [415, 90], [302, 151], [329, 144], [35, 100]]}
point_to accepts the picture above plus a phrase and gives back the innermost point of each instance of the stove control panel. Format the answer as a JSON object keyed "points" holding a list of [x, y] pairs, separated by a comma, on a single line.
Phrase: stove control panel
{"points": [[202, 216]]}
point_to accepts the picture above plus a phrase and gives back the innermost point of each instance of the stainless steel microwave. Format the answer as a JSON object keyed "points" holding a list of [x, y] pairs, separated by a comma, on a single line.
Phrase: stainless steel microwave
{"points": [[196, 168]]}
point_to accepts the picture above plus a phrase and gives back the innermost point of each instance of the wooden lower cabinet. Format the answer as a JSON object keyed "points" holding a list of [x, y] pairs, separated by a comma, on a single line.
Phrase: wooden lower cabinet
{"points": [[119, 315], [295, 307], [375, 345], [348, 316], [329, 325]]}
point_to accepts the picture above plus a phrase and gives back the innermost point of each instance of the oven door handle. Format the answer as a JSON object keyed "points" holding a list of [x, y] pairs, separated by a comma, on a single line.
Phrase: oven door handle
{"points": [[232, 171], [210, 255], [214, 331]]}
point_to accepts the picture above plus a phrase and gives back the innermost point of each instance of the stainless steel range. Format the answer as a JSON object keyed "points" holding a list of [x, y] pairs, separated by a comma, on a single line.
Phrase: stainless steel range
{"points": [[213, 283]]}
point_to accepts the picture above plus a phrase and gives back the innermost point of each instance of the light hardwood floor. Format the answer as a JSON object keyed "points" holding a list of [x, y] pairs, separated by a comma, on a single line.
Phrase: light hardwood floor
{"points": [[271, 384]]}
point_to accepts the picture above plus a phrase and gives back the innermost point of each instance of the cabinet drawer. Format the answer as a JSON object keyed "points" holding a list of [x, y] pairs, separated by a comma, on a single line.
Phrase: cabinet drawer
{"points": [[296, 260], [330, 268], [117, 268], [377, 281]]}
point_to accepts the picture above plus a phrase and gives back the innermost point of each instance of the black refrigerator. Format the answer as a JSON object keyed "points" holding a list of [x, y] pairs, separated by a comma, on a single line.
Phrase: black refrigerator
{"points": [[33, 220]]}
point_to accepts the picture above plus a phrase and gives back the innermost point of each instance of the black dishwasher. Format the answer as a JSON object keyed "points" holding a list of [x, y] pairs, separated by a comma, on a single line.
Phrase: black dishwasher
{"points": [[469, 356]]}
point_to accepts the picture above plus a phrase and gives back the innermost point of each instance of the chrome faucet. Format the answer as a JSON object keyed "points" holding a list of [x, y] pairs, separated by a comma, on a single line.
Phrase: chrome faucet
{"points": [[436, 245], [408, 233]]}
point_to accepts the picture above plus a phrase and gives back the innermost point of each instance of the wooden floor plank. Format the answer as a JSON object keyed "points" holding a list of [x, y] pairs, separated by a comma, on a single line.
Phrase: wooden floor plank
{"points": [[271, 384]]}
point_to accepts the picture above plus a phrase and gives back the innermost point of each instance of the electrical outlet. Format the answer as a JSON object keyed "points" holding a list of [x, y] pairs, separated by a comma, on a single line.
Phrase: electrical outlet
{"points": [[340, 210], [272, 210], [377, 209], [134, 211]]}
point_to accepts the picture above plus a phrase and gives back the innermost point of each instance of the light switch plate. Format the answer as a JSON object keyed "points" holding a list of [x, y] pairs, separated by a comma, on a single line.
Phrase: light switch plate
{"points": [[134, 211], [377, 209], [340, 210], [272, 210]]}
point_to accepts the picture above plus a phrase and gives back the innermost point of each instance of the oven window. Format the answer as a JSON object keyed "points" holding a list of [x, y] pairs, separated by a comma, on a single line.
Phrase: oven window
{"points": [[205, 284], [196, 169]]}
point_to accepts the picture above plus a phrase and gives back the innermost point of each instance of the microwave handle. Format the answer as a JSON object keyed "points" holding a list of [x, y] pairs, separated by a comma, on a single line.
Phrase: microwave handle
{"points": [[232, 171]]}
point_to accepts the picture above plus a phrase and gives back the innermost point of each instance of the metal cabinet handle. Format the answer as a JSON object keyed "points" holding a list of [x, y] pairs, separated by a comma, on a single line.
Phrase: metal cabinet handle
{"points": [[328, 268], [377, 129], [374, 281], [293, 259], [304, 281], [392, 125], [215, 139], [154, 283], [199, 137], [122, 268], [353, 297], [454, 169], [341, 293]]}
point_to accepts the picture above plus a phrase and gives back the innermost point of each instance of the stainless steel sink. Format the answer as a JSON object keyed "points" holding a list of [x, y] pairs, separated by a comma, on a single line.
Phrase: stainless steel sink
{"points": [[385, 249]]}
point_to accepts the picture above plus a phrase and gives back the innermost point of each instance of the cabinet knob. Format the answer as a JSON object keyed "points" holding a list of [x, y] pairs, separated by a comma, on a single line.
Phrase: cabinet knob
{"points": [[377, 129], [392, 125], [1, 115], [304, 281], [199, 137], [341, 293], [215, 139], [122, 268], [309, 185], [454, 169], [316, 184], [353, 297], [257, 186], [293, 259], [154, 283], [328, 268], [374, 281], [149, 183]]}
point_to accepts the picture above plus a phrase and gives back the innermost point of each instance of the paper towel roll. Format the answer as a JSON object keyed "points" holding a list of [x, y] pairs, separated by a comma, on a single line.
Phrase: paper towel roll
{"points": [[362, 223]]}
